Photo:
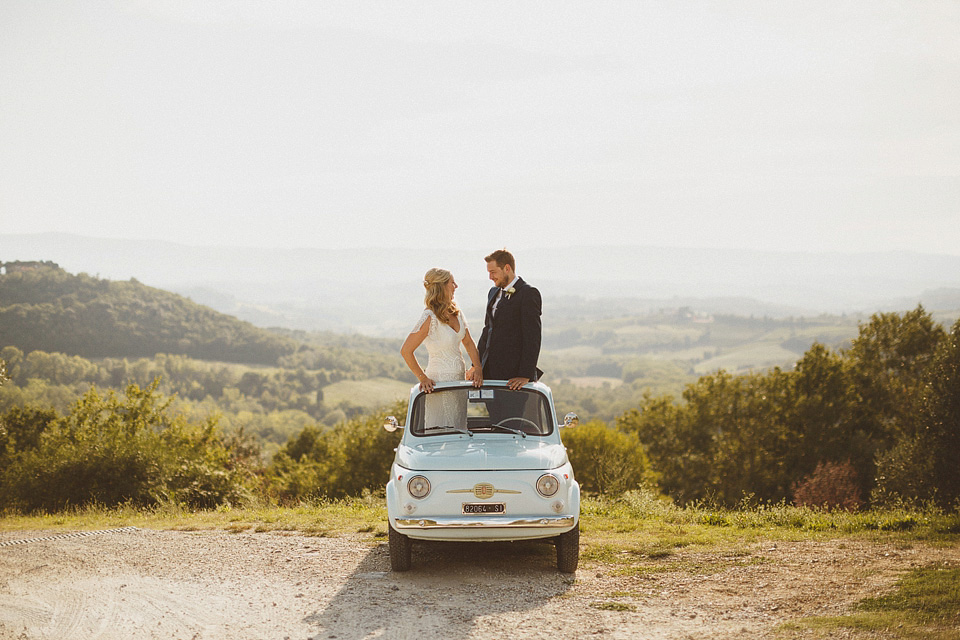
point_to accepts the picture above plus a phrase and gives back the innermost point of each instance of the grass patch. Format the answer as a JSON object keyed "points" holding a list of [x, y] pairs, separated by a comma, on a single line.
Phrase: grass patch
{"points": [[613, 606], [637, 532], [688, 566], [924, 604], [930, 595], [321, 518], [648, 525], [641, 534], [237, 528]]}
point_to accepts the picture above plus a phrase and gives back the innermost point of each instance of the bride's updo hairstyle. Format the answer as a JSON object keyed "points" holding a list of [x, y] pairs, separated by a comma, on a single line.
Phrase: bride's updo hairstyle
{"points": [[435, 282]]}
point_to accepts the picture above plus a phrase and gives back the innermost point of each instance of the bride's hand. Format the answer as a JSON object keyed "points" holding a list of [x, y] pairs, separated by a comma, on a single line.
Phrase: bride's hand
{"points": [[476, 375], [426, 384]]}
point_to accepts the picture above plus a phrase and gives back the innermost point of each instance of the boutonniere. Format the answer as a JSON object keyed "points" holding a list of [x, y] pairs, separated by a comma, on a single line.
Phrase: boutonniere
{"points": [[509, 292]]}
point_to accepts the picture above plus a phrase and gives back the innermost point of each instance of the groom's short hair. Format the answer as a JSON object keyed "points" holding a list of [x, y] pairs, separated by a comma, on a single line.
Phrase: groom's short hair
{"points": [[502, 257]]}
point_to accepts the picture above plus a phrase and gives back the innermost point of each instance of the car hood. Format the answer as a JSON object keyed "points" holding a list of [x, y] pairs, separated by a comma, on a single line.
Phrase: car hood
{"points": [[476, 453]]}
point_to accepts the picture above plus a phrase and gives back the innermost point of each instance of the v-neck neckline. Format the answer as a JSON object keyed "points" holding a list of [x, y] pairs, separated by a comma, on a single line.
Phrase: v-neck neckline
{"points": [[459, 321], [457, 330]]}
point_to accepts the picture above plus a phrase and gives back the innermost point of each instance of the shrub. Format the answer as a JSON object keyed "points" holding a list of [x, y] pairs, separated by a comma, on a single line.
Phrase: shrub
{"points": [[344, 460], [607, 461], [832, 485], [111, 450]]}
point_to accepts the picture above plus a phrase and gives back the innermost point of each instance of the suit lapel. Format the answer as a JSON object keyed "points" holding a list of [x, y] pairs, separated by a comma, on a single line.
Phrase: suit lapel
{"points": [[491, 296], [516, 291]]}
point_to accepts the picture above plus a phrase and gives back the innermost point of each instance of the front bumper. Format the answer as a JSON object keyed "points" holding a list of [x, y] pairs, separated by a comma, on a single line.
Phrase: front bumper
{"points": [[491, 528], [495, 522]]}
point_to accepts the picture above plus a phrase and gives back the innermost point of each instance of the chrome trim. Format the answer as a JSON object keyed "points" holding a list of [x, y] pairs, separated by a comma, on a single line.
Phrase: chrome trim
{"points": [[490, 522], [426, 480], [391, 424], [480, 494], [541, 491]]}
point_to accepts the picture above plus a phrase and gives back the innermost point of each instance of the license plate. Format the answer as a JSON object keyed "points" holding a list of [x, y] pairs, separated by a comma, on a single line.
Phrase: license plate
{"points": [[484, 507]]}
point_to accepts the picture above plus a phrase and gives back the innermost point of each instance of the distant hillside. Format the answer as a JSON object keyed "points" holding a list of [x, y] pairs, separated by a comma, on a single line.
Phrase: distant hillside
{"points": [[42, 307], [377, 291]]}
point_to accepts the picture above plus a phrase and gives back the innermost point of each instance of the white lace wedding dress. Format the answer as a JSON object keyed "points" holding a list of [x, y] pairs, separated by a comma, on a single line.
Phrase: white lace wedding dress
{"points": [[444, 364]]}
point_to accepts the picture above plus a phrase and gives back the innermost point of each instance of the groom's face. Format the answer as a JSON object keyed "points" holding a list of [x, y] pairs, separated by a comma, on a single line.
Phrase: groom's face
{"points": [[500, 276]]}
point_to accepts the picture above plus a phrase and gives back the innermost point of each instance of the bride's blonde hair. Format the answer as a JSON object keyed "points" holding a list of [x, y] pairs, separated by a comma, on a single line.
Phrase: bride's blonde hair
{"points": [[435, 282]]}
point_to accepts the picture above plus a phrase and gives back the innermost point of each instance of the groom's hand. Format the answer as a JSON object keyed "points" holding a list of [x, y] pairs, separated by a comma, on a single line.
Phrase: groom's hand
{"points": [[516, 383]]}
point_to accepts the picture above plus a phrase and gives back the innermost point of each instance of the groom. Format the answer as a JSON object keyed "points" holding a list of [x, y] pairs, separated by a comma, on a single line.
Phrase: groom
{"points": [[510, 343]]}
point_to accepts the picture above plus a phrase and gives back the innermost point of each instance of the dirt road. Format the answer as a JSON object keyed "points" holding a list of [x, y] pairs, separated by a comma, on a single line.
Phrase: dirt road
{"points": [[171, 584]]}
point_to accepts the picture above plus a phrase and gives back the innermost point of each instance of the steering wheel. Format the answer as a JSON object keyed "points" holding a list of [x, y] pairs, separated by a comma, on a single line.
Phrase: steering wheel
{"points": [[521, 419]]}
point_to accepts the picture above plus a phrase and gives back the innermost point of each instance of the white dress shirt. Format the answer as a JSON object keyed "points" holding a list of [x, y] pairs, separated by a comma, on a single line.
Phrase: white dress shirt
{"points": [[493, 311]]}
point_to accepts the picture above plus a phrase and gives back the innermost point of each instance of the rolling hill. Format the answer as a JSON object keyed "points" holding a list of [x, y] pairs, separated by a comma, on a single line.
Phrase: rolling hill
{"points": [[42, 307]]}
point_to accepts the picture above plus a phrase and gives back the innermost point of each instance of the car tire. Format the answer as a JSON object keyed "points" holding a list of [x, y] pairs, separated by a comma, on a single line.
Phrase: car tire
{"points": [[401, 548], [568, 550]]}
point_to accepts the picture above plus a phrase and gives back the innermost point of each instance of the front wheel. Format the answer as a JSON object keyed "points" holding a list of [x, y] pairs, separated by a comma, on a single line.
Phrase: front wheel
{"points": [[400, 550], [568, 550]]}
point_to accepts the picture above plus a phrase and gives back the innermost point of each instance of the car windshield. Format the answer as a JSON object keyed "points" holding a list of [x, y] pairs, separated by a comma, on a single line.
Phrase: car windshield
{"points": [[471, 411]]}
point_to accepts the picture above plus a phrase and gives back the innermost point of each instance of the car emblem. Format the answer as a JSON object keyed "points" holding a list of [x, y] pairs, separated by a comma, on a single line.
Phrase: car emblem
{"points": [[482, 490]]}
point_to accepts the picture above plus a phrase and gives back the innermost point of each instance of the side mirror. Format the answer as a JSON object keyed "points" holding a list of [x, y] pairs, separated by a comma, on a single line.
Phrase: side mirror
{"points": [[390, 424], [571, 420]]}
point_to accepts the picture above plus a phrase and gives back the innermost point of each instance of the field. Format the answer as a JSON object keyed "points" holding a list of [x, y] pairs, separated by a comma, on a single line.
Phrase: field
{"points": [[369, 394], [685, 340]]}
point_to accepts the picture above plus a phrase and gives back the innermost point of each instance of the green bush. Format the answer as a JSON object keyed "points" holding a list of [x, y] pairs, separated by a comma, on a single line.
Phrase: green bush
{"points": [[344, 460], [607, 461], [113, 450]]}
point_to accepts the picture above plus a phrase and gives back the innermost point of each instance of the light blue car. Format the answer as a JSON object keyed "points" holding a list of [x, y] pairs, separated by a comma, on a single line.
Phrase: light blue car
{"points": [[482, 464]]}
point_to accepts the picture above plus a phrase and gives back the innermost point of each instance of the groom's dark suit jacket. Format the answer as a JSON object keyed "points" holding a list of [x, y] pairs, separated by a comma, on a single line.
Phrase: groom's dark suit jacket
{"points": [[510, 343]]}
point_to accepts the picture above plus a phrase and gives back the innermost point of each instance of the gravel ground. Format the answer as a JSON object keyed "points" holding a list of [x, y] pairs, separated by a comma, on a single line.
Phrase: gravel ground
{"points": [[172, 584]]}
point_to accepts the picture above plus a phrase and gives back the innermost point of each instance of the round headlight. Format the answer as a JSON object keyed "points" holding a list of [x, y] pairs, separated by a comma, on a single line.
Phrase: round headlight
{"points": [[418, 486], [547, 485]]}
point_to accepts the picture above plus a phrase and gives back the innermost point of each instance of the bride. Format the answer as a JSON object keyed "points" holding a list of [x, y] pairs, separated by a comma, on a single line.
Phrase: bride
{"points": [[442, 329]]}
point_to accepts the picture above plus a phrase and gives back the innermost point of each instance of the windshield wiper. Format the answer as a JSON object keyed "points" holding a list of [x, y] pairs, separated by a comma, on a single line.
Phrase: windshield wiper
{"points": [[510, 429], [450, 428]]}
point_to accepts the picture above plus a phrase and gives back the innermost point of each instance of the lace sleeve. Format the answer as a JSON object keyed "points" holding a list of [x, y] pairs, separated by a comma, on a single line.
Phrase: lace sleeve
{"points": [[423, 318]]}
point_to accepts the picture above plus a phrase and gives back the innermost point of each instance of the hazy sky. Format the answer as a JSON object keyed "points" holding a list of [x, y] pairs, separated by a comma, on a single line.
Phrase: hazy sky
{"points": [[766, 125]]}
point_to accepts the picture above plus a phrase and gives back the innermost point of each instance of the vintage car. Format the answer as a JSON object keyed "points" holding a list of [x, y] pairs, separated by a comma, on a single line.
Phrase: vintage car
{"points": [[495, 469]]}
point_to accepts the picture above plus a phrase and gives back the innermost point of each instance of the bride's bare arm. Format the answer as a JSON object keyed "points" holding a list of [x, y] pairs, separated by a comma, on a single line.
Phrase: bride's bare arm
{"points": [[475, 372], [414, 340]]}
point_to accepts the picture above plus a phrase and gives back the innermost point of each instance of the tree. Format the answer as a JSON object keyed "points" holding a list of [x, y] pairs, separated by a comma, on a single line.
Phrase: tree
{"points": [[11, 357], [21, 428], [922, 463], [754, 444], [891, 368], [823, 418], [890, 365], [676, 453], [941, 420]]}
